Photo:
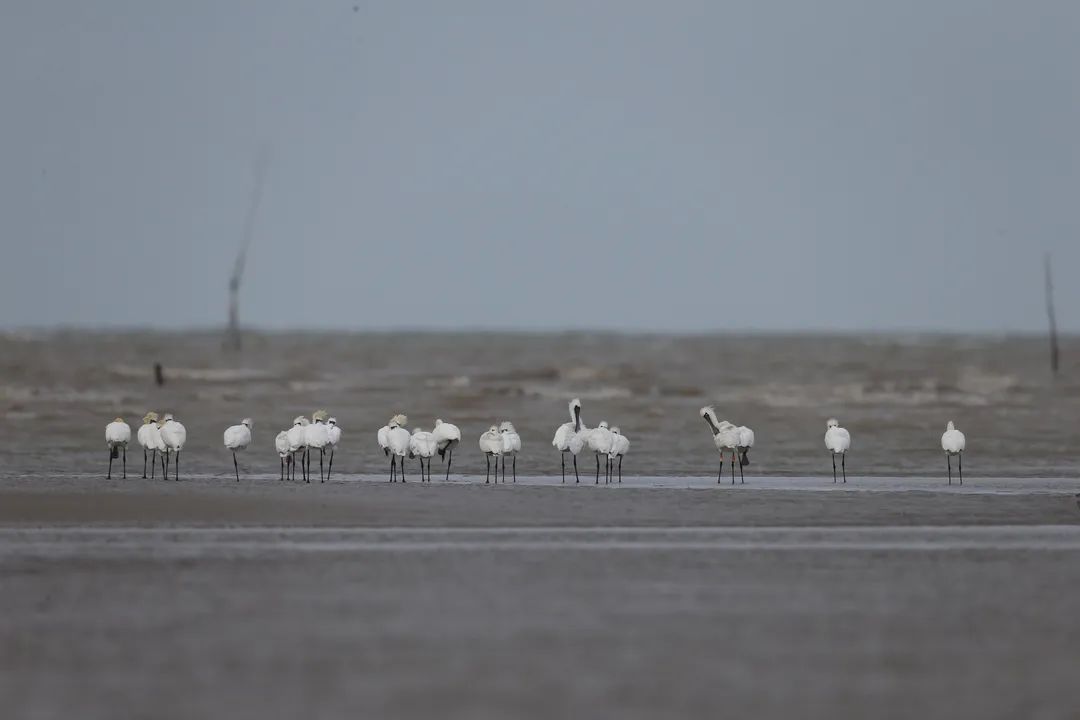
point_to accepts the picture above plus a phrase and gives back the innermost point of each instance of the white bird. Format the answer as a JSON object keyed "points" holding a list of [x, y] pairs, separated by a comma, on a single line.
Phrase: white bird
{"points": [[317, 438], [117, 437], [447, 437], [422, 446], [174, 436], [838, 441], [491, 445], [725, 437], [599, 442], [298, 444], [397, 441], [281, 444], [149, 436], [238, 437], [745, 442], [620, 445], [384, 439], [953, 442], [565, 435], [333, 432], [511, 446]]}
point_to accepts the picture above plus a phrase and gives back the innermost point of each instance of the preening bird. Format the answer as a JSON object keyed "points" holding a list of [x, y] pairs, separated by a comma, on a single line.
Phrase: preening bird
{"points": [[511, 446], [447, 437], [725, 437], [599, 442], [333, 432], [174, 436], [422, 447], [491, 445], [384, 439], [117, 437], [838, 441], [565, 433], [149, 436], [317, 438], [281, 444], [298, 444], [745, 442], [397, 441], [238, 437], [620, 445], [953, 442]]}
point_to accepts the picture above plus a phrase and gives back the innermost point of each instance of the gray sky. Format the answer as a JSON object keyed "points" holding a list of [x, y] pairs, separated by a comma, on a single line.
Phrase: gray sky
{"points": [[575, 163]]}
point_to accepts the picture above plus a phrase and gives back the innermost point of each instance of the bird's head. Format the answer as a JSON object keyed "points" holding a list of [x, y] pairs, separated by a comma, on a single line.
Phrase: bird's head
{"points": [[119, 419], [603, 424], [438, 422], [615, 430], [150, 417], [832, 423], [331, 421], [399, 421], [950, 427], [247, 422], [166, 418], [320, 416], [494, 430], [506, 426]]}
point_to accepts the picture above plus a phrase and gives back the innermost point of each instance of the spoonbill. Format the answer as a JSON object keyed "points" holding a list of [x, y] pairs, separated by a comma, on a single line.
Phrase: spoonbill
{"points": [[298, 444], [953, 443], [599, 442], [447, 437], [565, 433], [745, 442], [238, 437], [491, 445], [838, 441], [384, 439], [422, 446], [317, 438], [620, 445], [397, 440], [117, 436], [511, 446], [149, 436], [333, 433], [173, 435], [281, 444], [725, 437]]}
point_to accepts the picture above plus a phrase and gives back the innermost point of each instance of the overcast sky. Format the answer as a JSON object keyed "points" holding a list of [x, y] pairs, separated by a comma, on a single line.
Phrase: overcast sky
{"points": [[773, 165]]}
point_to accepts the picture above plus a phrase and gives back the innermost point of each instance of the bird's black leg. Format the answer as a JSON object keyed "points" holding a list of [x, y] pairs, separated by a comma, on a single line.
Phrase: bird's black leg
{"points": [[576, 471], [720, 475], [504, 467], [125, 462], [164, 464], [514, 467], [960, 466], [321, 453], [449, 459], [562, 457], [282, 477], [402, 468], [742, 476], [948, 464], [843, 466], [153, 463], [331, 466], [144, 463], [109, 476], [597, 469], [236, 467], [487, 473], [177, 466], [393, 459], [834, 467], [732, 467], [620, 469]]}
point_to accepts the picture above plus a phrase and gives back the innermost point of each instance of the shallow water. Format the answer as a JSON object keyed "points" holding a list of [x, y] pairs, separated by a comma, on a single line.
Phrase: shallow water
{"points": [[894, 393]]}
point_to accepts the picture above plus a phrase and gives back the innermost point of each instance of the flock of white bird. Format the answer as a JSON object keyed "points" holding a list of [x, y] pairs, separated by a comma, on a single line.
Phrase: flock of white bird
{"points": [[166, 437]]}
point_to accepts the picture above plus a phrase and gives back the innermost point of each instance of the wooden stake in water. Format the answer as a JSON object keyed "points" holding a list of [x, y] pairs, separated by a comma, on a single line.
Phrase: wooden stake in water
{"points": [[233, 335], [1050, 315]]}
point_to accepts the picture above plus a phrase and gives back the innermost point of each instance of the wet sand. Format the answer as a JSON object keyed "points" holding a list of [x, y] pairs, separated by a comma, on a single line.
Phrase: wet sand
{"points": [[359, 598]]}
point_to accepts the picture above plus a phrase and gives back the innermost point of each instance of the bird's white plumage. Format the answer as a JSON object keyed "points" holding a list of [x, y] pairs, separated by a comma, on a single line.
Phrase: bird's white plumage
{"points": [[491, 442], [281, 443], [297, 434], [149, 434], [565, 433], [117, 433], [384, 439], [837, 439], [421, 444], [599, 439], [511, 441], [333, 431], [397, 441], [620, 444], [746, 438], [447, 436], [173, 434], [316, 435], [238, 437], [953, 441]]}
